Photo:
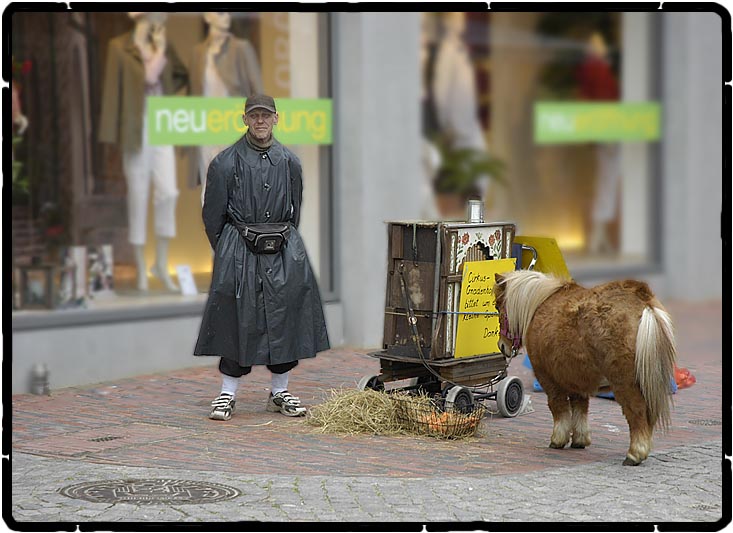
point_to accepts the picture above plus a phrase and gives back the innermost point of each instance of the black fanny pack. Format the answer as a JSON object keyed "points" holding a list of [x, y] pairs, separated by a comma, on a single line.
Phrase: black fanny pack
{"points": [[264, 238]]}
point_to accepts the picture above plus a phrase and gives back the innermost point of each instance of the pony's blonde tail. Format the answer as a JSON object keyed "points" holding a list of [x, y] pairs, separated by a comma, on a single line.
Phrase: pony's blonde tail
{"points": [[656, 353]]}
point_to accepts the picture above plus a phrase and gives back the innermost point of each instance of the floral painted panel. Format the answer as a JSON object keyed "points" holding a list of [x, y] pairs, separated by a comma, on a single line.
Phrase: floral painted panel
{"points": [[489, 238]]}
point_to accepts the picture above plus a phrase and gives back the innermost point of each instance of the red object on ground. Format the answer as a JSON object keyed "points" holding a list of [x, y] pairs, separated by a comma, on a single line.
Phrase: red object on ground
{"points": [[683, 378]]}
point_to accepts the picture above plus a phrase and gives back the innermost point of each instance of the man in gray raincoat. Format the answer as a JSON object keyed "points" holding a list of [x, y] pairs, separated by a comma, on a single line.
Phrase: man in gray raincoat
{"points": [[264, 307]]}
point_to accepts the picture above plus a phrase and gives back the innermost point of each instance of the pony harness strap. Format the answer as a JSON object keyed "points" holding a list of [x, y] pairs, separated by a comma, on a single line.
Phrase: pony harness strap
{"points": [[504, 332]]}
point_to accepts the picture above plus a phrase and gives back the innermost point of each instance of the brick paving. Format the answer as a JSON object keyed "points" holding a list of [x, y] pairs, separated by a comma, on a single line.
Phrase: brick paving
{"points": [[157, 424]]}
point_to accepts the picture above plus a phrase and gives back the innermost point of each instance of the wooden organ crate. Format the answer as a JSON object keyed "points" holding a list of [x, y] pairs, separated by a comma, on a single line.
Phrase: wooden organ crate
{"points": [[431, 256]]}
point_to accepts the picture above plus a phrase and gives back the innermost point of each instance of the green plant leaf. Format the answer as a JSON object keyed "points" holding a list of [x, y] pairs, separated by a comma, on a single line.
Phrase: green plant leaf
{"points": [[461, 168]]}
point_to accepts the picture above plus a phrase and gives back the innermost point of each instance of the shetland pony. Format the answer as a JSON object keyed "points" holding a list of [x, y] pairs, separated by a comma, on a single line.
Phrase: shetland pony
{"points": [[579, 338]]}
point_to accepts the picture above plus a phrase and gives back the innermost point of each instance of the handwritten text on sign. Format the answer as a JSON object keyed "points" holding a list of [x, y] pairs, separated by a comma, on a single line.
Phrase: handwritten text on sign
{"points": [[478, 334]]}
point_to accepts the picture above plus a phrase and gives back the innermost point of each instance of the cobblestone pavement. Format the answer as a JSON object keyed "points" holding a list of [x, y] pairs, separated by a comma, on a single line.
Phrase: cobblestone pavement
{"points": [[155, 426], [682, 484]]}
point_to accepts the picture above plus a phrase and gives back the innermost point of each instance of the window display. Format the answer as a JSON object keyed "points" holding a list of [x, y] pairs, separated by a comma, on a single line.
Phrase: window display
{"points": [[574, 136], [141, 63], [455, 149], [85, 171]]}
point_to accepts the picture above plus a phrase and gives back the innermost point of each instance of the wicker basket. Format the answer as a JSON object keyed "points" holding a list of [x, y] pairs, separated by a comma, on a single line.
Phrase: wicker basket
{"points": [[423, 415]]}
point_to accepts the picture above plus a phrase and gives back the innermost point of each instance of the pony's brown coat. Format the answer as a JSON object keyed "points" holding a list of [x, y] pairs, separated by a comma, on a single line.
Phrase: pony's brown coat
{"points": [[575, 337]]}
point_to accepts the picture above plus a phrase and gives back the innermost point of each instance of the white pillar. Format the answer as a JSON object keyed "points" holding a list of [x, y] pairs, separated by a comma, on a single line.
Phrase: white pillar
{"points": [[377, 148], [692, 155]]}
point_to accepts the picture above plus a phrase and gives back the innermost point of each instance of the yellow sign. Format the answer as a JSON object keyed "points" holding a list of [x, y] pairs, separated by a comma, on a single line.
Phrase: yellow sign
{"points": [[549, 256], [478, 334]]}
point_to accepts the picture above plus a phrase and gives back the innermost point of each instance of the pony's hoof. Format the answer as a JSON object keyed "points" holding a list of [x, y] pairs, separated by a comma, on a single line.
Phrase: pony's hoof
{"points": [[577, 445], [631, 462], [557, 446]]}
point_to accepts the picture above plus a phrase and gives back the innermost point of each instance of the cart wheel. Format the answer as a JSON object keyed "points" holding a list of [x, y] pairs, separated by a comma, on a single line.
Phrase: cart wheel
{"points": [[509, 396], [444, 391], [459, 399], [370, 382]]}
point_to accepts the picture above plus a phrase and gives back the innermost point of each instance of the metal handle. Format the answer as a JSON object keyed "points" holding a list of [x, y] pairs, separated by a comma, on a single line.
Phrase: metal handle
{"points": [[534, 255]]}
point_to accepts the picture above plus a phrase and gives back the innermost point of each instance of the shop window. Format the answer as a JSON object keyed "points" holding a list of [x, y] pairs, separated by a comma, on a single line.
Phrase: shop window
{"points": [[489, 82], [71, 177]]}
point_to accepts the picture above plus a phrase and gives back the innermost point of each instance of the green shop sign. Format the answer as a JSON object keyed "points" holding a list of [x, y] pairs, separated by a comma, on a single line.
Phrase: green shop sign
{"points": [[572, 122], [198, 120]]}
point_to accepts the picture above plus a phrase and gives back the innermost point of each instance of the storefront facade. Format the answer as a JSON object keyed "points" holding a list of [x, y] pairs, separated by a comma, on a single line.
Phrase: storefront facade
{"points": [[669, 192], [77, 196], [665, 183]]}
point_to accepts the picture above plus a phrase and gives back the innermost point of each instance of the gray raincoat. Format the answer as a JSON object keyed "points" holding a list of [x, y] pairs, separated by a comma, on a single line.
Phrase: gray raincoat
{"points": [[263, 309]]}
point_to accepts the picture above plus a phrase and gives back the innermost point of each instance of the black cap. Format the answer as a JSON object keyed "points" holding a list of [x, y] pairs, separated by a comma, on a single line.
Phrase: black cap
{"points": [[260, 100]]}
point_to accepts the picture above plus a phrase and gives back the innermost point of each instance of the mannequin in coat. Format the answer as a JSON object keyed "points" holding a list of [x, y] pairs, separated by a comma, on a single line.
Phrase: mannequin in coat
{"points": [[221, 66], [140, 64]]}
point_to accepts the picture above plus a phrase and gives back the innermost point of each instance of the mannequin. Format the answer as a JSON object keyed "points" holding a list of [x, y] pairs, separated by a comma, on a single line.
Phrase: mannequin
{"points": [[454, 87], [597, 82], [140, 64], [221, 66], [450, 102]]}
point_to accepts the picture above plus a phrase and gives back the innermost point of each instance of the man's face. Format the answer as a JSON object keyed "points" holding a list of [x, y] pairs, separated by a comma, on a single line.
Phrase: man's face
{"points": [[260, 123]]}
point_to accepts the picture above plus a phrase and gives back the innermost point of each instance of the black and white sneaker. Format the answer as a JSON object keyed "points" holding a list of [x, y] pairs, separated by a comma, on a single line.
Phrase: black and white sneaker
{"points": [[222, 407], [285, 403]]}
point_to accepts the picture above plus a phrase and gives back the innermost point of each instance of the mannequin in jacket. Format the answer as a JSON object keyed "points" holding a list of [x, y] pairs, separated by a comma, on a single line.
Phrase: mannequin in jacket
{"points": [[140, 64], [221, 66]]}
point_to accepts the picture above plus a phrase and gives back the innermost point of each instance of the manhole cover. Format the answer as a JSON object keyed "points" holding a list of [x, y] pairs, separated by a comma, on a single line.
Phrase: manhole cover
{"points": [[150, 491], [706, 422]]}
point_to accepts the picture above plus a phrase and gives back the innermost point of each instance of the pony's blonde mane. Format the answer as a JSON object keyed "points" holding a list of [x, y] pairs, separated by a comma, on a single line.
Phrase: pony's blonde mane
{"points": [[524, 292]]}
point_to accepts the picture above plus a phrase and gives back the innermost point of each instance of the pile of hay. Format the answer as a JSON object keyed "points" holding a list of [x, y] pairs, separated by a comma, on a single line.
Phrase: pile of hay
{"points": [[355, 411], [377, 413]]}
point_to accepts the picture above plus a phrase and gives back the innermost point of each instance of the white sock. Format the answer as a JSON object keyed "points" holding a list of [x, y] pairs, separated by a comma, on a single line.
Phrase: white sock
{"points": [[279, 382], [229, 384]]}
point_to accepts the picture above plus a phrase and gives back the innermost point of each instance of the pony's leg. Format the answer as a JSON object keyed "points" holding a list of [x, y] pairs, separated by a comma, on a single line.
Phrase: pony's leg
{"points": [[557, 401], [634, 409], [581, 432]]}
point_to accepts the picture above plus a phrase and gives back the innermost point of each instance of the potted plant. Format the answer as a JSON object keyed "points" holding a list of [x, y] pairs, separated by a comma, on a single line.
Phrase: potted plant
{"points": [[460, 174]]}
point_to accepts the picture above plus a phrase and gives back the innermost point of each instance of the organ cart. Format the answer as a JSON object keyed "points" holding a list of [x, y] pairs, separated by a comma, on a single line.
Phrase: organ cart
{"points": [[423, 314]]}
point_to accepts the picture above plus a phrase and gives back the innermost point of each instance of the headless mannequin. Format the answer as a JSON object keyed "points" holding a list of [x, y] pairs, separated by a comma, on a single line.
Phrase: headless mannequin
{"points": [[149, 37]]}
